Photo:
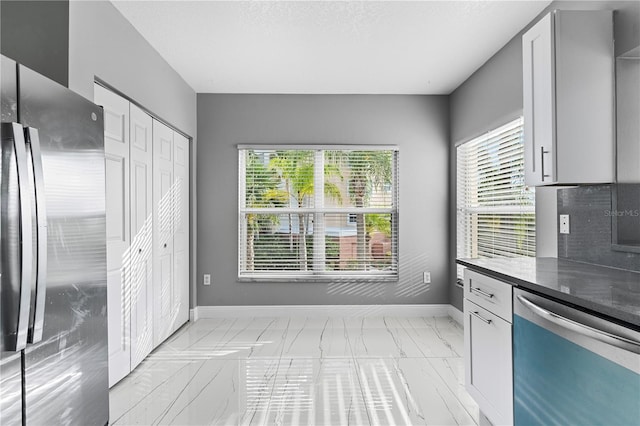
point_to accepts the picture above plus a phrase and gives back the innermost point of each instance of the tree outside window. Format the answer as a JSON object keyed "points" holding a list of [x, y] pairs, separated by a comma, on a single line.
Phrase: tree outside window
{"points": [[289, 229]]}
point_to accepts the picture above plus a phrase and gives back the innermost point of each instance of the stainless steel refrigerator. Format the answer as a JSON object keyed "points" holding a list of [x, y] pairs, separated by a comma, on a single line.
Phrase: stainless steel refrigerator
{"points": [[53, 292]]}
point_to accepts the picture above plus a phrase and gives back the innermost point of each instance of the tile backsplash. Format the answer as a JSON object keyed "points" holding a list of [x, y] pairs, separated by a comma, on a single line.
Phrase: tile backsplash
{"points": [[590, 238]]}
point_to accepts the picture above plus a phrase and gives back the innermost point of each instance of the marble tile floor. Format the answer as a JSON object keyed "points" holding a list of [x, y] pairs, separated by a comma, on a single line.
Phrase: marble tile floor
{"points": [[301, 371]]}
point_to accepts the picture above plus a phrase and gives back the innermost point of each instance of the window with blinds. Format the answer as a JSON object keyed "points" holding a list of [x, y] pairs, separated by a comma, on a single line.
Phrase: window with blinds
{"points": [[495, 210], [318, 213]]}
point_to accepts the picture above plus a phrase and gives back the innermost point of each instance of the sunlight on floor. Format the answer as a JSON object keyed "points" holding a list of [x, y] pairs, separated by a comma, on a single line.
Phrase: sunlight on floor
{"points": [[294, 371]]}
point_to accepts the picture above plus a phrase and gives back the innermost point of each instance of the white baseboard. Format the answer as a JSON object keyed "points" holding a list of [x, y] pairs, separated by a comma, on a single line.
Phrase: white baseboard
{"points": [[193, 314], [457, 315], [439, 310]]}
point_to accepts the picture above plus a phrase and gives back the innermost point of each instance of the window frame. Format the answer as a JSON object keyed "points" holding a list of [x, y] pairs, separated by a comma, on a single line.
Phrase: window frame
{"points": [[318, 211], [513, 208]]}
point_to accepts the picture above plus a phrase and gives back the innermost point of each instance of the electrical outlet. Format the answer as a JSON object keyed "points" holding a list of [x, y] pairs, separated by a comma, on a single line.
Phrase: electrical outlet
{"points": [[207, 279], [564, 223], [426, 277]]}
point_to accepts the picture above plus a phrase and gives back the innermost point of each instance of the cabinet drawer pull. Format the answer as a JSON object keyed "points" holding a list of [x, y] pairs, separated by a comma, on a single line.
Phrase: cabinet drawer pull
{"points": [[477, 315], [542, 153], [481, 292]]}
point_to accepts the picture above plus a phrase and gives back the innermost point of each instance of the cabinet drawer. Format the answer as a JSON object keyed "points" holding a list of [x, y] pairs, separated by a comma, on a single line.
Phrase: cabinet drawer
{"points": [[489, 362], [489, 293]]}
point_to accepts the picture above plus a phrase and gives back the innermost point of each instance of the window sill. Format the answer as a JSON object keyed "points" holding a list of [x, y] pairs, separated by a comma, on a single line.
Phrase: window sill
{"points": [[318, 279]]}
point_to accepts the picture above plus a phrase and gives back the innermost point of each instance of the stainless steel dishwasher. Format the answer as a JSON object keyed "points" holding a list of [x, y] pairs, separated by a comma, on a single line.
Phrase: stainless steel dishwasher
{"points": [[571, 367]]}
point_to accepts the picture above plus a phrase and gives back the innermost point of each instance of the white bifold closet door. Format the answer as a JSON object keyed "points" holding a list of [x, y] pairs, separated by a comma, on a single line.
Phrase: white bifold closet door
{"points": [[165, 312], [141, 259], [170, 231], [116, 142], [147, 206], [181, 228]]}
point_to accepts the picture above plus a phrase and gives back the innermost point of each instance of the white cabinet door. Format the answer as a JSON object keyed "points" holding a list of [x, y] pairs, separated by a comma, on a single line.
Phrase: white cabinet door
{"points": [[165, 311], [181, 229], [539, 102], [489, 361], [116, 140], [567, 60], [141, 159], [628, 111]]}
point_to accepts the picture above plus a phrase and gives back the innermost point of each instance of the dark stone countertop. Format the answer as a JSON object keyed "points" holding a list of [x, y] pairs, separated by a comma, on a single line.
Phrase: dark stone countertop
{"points": [[611, 292]]}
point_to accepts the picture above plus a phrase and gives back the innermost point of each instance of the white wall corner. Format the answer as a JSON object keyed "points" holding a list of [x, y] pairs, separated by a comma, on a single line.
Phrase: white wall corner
{"points": [[547, 221], [456, 315]]}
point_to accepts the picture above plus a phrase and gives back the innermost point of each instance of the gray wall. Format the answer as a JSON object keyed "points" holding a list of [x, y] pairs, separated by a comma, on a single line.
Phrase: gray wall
{"points": [[493, 95], [103, 44], [36, 34], [417, 124]]}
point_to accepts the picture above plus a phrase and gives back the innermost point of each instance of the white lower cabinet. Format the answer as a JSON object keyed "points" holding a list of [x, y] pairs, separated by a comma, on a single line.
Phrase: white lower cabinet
{"points": [[488, 351]]}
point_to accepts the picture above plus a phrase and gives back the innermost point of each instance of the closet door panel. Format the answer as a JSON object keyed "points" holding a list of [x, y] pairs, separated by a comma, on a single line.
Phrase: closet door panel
{"points": [[163, 206], [181, 228], [141, 235], [116, 141]]}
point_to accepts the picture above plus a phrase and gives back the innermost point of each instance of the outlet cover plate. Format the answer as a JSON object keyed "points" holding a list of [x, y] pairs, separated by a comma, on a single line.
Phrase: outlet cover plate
{"points": [[564, 223]]}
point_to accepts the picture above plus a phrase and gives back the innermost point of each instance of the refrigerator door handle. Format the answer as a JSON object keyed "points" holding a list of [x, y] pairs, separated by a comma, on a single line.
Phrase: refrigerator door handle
{"points": [[33, 148], [25, 235]]}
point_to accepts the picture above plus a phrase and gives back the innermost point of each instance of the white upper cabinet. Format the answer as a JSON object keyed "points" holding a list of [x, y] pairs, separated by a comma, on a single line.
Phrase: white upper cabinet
{"points": [[628, 113], [568, 99]]}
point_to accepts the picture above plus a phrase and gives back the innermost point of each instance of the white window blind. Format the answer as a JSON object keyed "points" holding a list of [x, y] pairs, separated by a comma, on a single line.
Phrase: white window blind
{"points": [[289, 229], [495, 210]]}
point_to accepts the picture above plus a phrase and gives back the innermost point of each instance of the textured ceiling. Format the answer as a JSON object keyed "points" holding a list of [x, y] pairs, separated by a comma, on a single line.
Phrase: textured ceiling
{"points": [[373, 47]]}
